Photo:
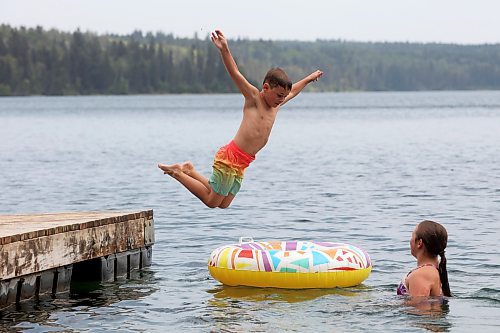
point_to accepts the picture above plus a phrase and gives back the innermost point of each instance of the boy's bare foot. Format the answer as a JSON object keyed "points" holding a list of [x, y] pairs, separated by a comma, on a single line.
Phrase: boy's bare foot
{"points": [[187, 167], [171, 170]]}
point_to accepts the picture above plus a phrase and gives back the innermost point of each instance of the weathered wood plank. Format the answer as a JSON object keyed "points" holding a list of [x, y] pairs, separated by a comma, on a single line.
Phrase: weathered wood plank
{"points": [[33, 243], [14, 228]]}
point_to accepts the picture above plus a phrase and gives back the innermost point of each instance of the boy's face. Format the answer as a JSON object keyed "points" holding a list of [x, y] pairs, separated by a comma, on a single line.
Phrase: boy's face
{"points": [[275, 96]]}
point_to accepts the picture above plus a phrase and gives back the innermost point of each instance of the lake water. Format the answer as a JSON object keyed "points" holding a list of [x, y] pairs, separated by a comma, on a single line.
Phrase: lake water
{"points": [[361, 168]]}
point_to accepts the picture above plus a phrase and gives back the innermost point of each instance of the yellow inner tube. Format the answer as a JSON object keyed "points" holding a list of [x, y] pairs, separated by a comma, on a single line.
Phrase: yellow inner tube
{"points": [[291, 265]]}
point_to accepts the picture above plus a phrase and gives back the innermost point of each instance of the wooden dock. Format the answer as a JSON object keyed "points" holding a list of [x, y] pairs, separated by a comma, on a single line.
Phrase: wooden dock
{"points": [[43, 253]]}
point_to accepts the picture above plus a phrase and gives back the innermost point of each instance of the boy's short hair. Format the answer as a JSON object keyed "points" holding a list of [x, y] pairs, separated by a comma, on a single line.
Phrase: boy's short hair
{"points": [[277, 77]]}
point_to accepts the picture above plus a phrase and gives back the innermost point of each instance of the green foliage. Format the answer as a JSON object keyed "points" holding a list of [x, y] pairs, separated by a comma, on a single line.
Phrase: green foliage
{"points": [[35, 61]]}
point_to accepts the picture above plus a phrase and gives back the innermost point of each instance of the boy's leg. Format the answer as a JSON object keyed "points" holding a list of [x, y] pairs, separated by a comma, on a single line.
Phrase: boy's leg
{"points": [[188, 168], [199, 189], [227, 201], [232, 192]]}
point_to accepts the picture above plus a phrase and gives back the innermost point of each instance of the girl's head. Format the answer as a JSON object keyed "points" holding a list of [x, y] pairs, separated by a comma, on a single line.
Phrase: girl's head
{"points": [[433, 238]]}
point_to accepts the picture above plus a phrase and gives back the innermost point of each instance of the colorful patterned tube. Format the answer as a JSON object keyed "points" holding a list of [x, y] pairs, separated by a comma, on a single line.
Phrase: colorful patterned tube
{"points": [[290, 264]]}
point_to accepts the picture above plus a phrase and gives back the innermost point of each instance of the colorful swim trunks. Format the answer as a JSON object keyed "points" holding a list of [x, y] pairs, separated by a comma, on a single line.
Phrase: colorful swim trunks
{"points": [[229, 165]]}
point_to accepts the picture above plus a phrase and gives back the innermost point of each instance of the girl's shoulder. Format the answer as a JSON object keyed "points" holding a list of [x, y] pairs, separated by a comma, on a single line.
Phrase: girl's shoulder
{"points": [[425, 279], [424, 270], [427, 272]]}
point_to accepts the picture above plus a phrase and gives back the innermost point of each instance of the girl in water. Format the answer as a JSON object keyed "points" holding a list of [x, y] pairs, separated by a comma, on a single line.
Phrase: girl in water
{"points": [[429, 278]]}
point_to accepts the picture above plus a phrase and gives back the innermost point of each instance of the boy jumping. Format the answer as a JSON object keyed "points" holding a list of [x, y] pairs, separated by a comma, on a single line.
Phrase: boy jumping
{"points": [[259, 112]]}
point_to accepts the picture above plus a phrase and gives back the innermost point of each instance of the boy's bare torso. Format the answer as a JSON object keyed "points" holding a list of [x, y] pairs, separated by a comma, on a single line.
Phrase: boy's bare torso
{"points": [[256, 125]]}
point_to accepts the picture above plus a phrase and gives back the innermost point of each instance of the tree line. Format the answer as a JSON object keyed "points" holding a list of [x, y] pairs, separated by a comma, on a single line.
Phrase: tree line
{"points": [[34, 61]]}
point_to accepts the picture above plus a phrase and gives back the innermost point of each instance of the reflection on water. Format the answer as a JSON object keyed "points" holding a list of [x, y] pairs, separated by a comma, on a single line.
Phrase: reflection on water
{"points": [[271, 309], [267, 309], [84, 298], [429, 313], [223, 294]]}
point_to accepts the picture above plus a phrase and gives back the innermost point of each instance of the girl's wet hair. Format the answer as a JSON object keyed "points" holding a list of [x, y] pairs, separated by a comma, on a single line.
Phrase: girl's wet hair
{"points": [[277, 77], [435, 238]]}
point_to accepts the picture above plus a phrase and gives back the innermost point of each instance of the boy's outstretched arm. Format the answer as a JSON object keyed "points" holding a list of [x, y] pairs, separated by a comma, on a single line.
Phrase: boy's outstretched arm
{"points": [[241, 82], [298, 86]]}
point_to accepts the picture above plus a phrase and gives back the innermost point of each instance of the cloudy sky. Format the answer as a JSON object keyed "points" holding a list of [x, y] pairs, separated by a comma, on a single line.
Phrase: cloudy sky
{"points": [[450, 21]]}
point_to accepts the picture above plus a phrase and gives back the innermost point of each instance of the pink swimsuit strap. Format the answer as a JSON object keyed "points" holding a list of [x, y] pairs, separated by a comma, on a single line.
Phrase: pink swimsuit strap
{"points": [[413, 270]]}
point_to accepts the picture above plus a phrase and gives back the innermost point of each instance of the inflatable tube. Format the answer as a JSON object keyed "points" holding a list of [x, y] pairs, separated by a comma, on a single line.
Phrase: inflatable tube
{"points": [[290, 264]]}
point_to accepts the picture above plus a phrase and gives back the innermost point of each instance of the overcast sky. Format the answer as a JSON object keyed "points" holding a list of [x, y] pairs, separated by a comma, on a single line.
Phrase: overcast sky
{"points": [[450, 21]]}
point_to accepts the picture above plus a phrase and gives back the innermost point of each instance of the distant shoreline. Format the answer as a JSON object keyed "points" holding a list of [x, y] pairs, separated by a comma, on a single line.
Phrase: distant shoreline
{"points": [[34, 61]]}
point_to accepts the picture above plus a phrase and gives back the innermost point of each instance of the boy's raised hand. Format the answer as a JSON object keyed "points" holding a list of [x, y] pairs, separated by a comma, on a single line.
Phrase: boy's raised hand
{"points": [[314, 76], [218, 39]]}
